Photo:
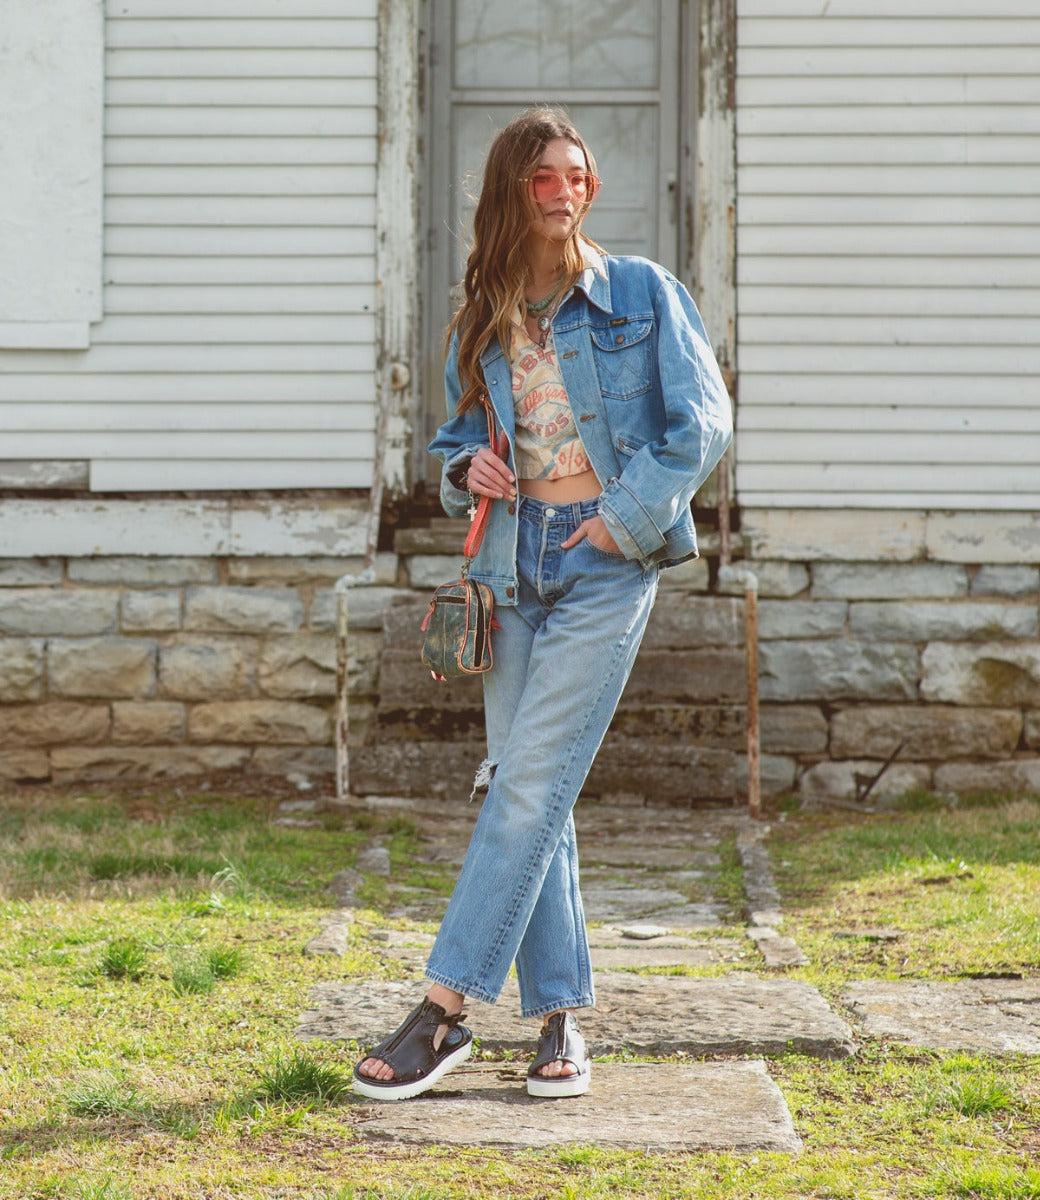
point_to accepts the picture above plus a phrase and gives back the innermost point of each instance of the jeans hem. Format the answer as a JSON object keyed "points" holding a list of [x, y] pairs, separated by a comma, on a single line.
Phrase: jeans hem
{"points": [[470, 991], [586, 1001]]}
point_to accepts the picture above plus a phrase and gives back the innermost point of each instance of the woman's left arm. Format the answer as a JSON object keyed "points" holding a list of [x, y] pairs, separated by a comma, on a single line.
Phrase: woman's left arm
{"points": [[659, 481]]}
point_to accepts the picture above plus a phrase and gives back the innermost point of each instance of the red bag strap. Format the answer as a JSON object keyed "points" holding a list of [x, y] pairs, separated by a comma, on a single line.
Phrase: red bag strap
{"points": [[500, 445]]}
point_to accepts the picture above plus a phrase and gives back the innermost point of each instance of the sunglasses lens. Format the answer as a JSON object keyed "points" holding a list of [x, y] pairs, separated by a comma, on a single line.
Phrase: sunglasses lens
{"points": [[547, 185]]}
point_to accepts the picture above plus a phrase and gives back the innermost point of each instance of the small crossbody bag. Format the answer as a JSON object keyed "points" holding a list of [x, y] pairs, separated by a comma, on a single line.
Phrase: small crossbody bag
{"points": [[457, 626]]}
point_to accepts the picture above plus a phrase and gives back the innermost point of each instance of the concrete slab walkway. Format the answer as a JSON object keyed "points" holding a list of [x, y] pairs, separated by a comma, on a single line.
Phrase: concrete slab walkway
{"points": [[652, 887]]}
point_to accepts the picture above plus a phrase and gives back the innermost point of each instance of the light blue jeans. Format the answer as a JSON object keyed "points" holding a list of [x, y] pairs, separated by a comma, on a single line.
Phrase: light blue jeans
{"points": [[562, 657]]}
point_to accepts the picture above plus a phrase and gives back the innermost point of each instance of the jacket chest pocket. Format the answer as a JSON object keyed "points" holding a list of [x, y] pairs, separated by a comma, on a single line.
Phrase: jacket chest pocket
{"points": [[622, 356]]}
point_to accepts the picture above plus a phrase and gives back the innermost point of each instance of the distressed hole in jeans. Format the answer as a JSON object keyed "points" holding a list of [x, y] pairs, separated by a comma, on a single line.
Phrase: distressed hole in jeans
{"points": [[482, 779]]}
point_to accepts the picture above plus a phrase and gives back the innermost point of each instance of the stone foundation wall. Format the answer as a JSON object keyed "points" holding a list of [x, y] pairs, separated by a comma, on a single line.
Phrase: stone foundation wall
{"points": [[114, 667], [874, 630]]}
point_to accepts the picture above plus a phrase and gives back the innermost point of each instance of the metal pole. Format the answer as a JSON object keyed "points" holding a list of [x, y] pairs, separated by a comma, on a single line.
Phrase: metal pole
{"points": [[751, 637], [737, 575]]}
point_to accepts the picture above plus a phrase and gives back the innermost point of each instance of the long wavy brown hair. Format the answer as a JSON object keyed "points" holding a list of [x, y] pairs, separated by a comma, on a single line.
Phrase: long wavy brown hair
{"points": [[496, 269]]}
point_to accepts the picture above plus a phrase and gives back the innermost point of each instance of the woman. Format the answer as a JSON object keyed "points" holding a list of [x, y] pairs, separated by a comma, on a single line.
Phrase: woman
{"points": [[599, 371]]}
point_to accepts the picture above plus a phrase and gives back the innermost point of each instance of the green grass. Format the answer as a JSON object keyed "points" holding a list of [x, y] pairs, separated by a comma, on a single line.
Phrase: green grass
{"points": [[123, 958], [120, 1082], [956, 884]]}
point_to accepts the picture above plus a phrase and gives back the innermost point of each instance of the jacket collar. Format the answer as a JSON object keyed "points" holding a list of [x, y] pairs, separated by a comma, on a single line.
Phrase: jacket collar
{"points": [[594, 281]]}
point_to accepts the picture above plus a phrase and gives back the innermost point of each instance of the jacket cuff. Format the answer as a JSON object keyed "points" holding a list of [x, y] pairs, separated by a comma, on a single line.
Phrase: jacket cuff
{"points": [[455, 501], [630, 525]]}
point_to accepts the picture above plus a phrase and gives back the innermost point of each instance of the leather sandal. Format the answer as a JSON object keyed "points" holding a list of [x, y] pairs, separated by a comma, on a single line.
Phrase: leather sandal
{"points": [[410, 1052], [560, 1040]]}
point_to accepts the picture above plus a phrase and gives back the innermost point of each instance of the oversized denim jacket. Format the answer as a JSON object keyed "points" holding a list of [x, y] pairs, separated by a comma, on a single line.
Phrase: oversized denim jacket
{"points": [[649, 402]]}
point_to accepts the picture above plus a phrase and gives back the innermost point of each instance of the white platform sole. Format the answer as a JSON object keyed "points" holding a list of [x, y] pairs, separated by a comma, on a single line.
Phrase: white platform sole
{"points": [[405, 1091], [547, 1088]]}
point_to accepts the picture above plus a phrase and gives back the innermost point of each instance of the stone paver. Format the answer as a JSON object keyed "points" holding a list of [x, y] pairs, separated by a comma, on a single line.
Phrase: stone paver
{"points": [[732, 1105], [999, 1016], [644, 1014]]}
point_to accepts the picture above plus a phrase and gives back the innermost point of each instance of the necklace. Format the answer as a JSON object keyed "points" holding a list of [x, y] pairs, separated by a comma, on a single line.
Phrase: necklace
{"points": [[537, 306]]}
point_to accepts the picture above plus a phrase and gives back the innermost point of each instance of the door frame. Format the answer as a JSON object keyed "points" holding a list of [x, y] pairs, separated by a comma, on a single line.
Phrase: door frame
{"points": [[706, 205]]}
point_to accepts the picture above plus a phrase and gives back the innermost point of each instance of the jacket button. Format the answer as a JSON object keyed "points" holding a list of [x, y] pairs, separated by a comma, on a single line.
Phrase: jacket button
{"points": [[510, 593], [619, 339], [512, 509]]}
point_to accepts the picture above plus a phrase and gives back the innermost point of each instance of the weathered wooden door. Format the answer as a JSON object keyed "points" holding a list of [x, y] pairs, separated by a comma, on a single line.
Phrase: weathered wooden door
{"points": [[619, 70]]}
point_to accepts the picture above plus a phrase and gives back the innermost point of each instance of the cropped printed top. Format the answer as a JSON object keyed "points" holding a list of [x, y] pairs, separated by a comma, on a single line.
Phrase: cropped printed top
{"points": [[547, 441]]}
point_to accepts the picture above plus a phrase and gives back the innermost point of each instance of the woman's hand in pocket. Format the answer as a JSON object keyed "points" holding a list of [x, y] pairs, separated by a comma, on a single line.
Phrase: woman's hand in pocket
{"points": [[596, 531]]}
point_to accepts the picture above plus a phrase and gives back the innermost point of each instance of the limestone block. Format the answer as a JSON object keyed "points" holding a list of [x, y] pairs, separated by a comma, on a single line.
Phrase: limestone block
{"points": [[312, 762], [1032, 730], [21, 669], [838, 781], [736, 1014], [888, 581], [660, 1108], [147, 723], [205, 670], [700, 676], [950, 621], [300, 570], [776, 775], [79, 764], [260, 721], [669, 774], [442, 769], [98, 526], [243, 609], [55, 723], [141, 571], [444, 535], [108, 667], [984, 537], [837, 670], [156, 611], [681, 622], [1006, 674], [69, 612], [810, 535], [781, 619], [299, 667], [30, 572], [312, 527], [983, 1016], [690, 576], [778, 580], [366, 608], [24, 766], [1006, 581], [404, 683], [1020, 776], [402, 624], [792, 729], [719, 726], [929, 732], [431, 570]]}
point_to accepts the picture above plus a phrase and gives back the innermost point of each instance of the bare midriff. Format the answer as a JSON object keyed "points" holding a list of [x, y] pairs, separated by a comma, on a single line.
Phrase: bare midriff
{"points": [[584, 486]]}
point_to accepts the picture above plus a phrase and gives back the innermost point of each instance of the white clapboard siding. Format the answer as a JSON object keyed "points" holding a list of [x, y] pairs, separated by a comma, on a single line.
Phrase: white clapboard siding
{"points": [[237, 348], [888, 234]]}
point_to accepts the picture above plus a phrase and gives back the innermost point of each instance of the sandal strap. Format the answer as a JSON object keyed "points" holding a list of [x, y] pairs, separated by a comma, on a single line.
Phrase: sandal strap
{"points": [[561, 1040], [409, 1050]]}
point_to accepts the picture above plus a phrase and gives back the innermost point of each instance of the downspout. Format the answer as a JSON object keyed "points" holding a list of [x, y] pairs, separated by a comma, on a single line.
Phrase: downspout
{"points": [[397, 316], [716, 294]]}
